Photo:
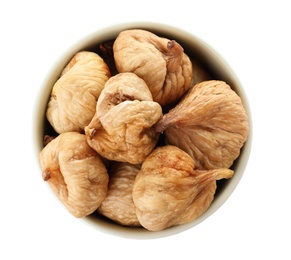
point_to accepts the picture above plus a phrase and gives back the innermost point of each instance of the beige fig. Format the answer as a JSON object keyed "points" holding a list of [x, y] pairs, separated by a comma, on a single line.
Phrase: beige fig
{"points": [[201, 202], [118, 204], [73, 99], [210, 123], [168, 190], [122, 128], [160, 62], [75, 172]]}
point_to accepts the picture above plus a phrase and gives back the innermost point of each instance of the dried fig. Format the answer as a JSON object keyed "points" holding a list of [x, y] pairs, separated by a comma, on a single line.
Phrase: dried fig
{"points": [[122, 128], [209, 123], [118, 204], [73, 99], [168, 190], [199, 205], [75, 173], [160, 62]]}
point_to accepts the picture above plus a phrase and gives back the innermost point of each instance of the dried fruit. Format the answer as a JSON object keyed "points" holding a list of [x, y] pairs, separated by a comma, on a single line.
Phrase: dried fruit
{"points": [[160, 62], [199, 205], [168, 190], [73, 99], [122, 128], [209, 123], [75, 172], [118, 204]]}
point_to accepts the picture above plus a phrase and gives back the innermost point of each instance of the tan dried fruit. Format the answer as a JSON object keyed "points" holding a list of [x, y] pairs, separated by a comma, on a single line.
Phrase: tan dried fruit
{"points": [[73, 99], [209, 123], [168, 190], [122, 128], [160, 62], [118, 204], [199, 205], [75, 172]]}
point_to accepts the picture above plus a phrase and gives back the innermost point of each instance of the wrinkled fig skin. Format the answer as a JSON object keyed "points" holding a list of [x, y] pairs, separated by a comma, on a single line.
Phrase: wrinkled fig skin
{"points": [[209, 123], [160, 62], [199, 205], [73, 99], [122, 128], [75, 172], [118, 204], [169, 191]]}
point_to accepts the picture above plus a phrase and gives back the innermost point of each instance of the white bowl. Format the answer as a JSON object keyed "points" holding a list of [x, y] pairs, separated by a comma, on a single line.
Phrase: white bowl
{"points": [[192, 46]]}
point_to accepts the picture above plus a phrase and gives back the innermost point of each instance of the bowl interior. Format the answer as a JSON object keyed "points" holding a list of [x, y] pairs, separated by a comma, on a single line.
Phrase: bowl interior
{"points": [[194, 47]]}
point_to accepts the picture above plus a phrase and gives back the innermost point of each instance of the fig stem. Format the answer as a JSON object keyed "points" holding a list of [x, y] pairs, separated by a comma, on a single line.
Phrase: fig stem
{"points": [[160, 127], [46, 175]]}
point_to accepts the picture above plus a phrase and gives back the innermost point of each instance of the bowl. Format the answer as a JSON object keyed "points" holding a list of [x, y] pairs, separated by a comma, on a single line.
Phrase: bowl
{"points": [[193, 46]]}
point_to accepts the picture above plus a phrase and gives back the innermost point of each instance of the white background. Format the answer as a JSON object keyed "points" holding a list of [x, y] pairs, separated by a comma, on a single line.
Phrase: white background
{"points": [[252, 36]]}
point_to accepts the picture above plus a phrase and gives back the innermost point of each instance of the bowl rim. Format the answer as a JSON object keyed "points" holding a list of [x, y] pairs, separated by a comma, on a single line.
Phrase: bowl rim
{"points": [[106, 33]]}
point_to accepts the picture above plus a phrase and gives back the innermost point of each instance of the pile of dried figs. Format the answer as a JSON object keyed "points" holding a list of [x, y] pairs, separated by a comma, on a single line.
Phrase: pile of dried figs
{"points": [[141, 133]]}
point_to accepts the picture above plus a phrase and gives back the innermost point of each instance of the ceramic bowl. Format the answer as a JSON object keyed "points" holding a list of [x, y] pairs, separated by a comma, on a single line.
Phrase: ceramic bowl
{"points": [[193, 46]]}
